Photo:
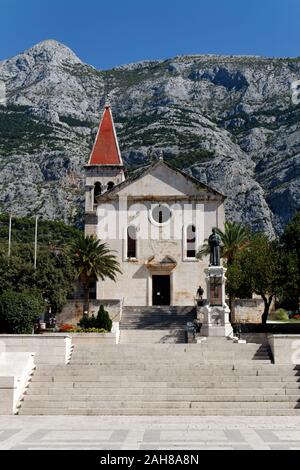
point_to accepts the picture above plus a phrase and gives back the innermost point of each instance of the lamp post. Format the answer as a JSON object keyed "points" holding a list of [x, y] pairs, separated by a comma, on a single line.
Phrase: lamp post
{"points": [[35, 243], [9, 236]]}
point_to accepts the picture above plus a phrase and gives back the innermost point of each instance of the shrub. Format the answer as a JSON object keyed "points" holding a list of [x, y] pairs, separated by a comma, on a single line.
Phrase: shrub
{"points": [[281, 315], [19, 312], [102, 322], [88, 322]]}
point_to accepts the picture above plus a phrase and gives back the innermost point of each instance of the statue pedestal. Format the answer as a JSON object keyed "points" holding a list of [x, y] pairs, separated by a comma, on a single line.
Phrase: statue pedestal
{"points": [[215, 315]]}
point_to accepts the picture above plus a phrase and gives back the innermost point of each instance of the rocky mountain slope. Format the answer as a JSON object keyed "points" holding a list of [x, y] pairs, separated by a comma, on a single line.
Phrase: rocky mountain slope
{"points": [[229, 121]]}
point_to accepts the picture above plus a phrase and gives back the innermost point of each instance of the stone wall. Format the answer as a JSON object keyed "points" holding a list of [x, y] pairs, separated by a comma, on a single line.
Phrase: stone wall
{"points": [[248, 310], [48, 349], [285, 349], [88, 341], [15, 371], [73, 311]]}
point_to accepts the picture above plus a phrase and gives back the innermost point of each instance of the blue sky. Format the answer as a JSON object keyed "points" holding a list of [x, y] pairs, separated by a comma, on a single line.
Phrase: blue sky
{"points": [[106, 33]]}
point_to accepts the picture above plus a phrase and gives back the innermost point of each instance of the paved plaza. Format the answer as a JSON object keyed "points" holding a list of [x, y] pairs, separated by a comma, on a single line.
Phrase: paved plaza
{"points": [[149, 433]]}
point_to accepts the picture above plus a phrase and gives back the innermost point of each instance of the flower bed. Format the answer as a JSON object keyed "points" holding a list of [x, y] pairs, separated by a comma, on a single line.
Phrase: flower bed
{"points": [[71, 329]]}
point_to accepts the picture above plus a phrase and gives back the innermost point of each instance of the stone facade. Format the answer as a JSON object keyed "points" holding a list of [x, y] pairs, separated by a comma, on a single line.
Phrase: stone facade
{"points": [[171, 215], [161, 249]]}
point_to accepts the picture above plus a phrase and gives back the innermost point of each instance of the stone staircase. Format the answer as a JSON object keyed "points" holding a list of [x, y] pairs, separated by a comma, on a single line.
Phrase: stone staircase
{"points": [[155, 324], [215, 378], [139, 336]]}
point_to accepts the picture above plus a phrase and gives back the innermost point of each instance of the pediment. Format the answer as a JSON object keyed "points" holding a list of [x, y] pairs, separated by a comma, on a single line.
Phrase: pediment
{"points": [[167, 263], [162, 180]]}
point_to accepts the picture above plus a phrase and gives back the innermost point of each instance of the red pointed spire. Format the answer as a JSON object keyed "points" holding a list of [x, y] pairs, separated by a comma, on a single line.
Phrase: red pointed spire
{"points": [[106, 148]]}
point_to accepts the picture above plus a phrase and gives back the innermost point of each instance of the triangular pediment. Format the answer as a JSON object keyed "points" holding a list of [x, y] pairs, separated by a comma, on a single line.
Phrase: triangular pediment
{"points": [[162, 180]]}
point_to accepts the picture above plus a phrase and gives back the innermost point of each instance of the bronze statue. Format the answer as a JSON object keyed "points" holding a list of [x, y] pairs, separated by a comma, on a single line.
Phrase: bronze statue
{"points": [[214, 245]]}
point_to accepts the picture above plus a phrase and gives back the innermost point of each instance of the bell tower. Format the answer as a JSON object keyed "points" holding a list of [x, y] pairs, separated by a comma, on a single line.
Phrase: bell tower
{"points": [[104, 170]]}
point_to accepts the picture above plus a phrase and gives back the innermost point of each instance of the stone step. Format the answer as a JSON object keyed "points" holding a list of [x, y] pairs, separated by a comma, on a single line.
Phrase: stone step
{"points": [[142, 378], [159, 309], [115, 395], [177, 349], [202, 359], [176, 395], [150, 382], [154, 357], [164, 373], [192, 377], [154, 362], [101, 405], [166, 348], [133, 378], [87, 384], [210, 383], [231, 363], [156, 413], [157, 349]]}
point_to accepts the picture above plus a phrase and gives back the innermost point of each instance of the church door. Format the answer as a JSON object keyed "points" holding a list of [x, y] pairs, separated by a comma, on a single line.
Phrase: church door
{"points": [[161, 290]]}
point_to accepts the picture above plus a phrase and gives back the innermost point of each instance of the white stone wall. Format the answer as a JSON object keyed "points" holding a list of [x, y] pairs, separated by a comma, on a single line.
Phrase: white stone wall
{"points": [[191, 204], [48, 349], [285, 349], [135, 283], [15, 371]]}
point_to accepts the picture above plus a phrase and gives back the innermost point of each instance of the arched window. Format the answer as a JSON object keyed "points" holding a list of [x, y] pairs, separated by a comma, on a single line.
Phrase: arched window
{"points": [[97, 191], [110, 185], [131, 242], [191, 241]]}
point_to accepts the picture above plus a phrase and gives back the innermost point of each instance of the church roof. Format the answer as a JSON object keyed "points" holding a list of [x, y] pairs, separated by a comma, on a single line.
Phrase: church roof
{"points": [[142, 171], [106, 148]]}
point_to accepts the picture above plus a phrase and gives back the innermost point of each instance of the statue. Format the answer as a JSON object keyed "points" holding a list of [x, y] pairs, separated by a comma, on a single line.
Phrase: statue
{"points": [[214, 242]]}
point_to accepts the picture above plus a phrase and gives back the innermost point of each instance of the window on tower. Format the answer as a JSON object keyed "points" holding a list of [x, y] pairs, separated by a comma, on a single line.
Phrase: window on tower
{"points": [[97, 191], [110, 185]]}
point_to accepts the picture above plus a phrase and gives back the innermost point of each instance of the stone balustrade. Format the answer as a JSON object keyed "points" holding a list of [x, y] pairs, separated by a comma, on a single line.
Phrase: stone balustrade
{"points": [[15, 371], [285, 349]]}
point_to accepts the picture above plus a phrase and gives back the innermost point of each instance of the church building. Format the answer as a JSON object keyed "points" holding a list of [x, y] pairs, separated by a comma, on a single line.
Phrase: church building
{"points": [[155, 220]]}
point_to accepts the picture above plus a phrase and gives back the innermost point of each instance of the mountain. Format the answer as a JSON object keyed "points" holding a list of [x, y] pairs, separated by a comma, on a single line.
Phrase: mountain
{"points": [[228, 120]]}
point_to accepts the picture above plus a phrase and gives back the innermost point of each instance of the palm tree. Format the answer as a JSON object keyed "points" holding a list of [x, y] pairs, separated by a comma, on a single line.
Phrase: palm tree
{"points": [[93, 260], [235, 238]]}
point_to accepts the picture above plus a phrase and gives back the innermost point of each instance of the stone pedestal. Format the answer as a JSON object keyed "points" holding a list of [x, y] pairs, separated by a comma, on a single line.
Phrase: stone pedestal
{"points": [[215, 315]]}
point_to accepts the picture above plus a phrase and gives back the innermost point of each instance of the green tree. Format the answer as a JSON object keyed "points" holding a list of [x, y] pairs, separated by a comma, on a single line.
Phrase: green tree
{"points": [[235, 238], [261, 265], [291, 261], [93, 260], [53, 277], [19, 311], [291, 235]]}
